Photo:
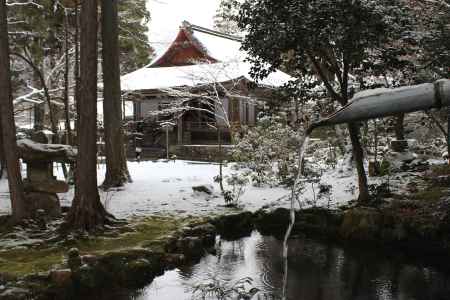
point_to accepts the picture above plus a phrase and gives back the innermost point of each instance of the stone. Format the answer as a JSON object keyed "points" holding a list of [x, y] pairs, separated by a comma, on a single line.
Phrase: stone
{"points": [[140, 265], [443, 180], [399, 232], [203, 189], [38, 171], [15, 293], [41, 218], [397, 161], [361, 224], [40, 186], [318, 221], [45, 201], [399, 145], [74, 259], [47, 186], [191, 246], [61, 278], [374, 167], [40, 137], [200, 230], [86, 277], [234, 226], [124, 268], [174, 260], [40, 152], [89, 259], [272, 222]]}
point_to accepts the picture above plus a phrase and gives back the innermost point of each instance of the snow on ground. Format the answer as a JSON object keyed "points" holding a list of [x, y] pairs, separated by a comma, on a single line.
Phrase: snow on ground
{"points": [[165, 187], [5, 205]]}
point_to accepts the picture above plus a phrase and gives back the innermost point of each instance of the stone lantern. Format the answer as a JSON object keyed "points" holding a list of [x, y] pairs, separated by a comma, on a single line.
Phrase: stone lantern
{"points": [[40, 185]]}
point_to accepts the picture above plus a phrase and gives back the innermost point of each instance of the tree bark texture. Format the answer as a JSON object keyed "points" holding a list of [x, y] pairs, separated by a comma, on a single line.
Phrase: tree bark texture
{"points": [[87, 213], [77, 67], [2, 153], [18, 202], [66, 80], [358, 156], [399, 127], [342, 99], [116, 164], [448, 134]]}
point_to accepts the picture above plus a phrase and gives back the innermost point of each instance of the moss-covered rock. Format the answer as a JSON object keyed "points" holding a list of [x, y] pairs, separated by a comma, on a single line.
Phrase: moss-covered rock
{"points": [[361, 224], [272, 222], [234, 226], [192, 240], [319, 221], [125, 268], [61, 278]]}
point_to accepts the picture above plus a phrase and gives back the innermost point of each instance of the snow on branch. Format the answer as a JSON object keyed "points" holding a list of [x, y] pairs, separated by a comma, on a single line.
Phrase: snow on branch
{"points": [[24, 3], [439, 2], [29, 97]]}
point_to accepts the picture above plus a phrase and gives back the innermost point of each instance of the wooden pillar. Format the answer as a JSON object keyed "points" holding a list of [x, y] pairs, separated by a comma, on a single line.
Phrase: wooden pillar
{"points": [[180, 131]]}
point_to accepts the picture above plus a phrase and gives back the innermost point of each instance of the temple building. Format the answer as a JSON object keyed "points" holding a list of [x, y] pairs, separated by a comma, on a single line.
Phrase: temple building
{"points": [[201, 84]]}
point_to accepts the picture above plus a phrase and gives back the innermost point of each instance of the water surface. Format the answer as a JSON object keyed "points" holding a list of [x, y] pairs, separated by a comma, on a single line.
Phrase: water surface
{"points": [[317, 271]]}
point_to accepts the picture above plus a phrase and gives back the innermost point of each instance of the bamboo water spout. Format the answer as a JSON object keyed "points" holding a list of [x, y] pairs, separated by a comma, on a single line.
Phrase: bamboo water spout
{"points": [[380, 103]]}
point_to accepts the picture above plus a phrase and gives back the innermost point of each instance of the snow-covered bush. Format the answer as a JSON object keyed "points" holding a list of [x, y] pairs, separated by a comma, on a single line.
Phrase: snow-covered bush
{"points": [[269, 151], [237, 182]]}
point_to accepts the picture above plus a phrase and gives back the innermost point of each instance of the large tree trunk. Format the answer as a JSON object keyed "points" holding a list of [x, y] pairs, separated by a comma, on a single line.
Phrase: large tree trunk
{"points": [[358, 156], [76, 73], [2, 153], [116, 164], [219, 140], [66, 80], [399, 127], [17, 195], [87, 213], [448, 134], [39, 115]]}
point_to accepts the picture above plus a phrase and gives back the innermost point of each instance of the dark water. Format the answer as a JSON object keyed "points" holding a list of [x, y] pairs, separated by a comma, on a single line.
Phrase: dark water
{"points": [[317, 271]]}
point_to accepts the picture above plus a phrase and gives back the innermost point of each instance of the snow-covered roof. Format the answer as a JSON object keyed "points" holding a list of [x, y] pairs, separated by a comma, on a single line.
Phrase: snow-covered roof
{"points": [[228, 63], [220, 48], [223, 48], [194, 75]]}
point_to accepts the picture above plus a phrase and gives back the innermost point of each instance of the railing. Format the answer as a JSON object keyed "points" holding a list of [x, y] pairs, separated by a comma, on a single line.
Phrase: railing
{"points": [[201, 125]]}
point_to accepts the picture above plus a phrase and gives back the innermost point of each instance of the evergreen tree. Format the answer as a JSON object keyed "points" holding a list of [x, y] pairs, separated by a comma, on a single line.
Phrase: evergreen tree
{"points": [[116, 164], [87, 212], [8, 132], [329, 39], [135, 50], [2, 153], [435, 37], [38, 35], [225, 19]]}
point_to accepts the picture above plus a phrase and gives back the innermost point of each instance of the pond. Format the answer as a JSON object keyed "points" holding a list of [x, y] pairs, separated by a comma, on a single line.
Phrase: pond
{"points": [[317, 271]]}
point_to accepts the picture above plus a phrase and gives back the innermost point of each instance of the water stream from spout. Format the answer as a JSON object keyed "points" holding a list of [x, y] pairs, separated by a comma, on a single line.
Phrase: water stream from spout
{"points": [[298, 176]]}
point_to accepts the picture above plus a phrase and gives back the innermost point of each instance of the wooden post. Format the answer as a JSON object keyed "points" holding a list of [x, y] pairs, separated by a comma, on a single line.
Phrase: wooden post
{"points": [[180, 131], [167, 141], [448, 134]]}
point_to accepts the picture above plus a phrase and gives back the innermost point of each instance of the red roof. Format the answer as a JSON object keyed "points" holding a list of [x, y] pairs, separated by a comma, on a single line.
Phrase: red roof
{"points": [[184, 51]]}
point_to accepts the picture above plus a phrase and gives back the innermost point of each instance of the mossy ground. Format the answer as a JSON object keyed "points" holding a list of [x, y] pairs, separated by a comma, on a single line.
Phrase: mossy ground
{"points": [[440, 170], [433, 193], [147, 232]]}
